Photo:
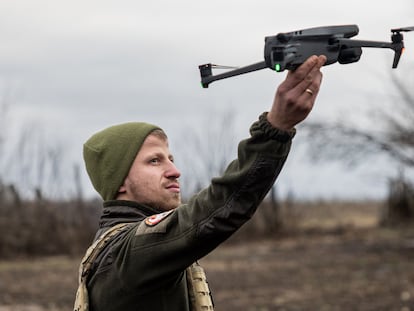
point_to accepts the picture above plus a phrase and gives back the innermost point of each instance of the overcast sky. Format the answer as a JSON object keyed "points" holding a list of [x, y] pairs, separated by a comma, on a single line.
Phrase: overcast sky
{"points": [[75, 67]]}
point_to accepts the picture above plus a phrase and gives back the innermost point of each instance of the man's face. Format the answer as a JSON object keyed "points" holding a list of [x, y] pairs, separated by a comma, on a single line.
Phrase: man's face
{"points": [[153, 177]]}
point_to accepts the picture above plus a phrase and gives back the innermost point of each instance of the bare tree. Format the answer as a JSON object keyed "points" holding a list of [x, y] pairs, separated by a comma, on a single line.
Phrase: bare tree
{"points": [[35, 162], [5, 100], [7, 193], [206, 150], [390, 133]]}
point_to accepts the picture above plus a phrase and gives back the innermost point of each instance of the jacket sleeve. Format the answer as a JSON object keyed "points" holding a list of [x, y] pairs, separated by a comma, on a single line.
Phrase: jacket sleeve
{"points": [[159, 252]]}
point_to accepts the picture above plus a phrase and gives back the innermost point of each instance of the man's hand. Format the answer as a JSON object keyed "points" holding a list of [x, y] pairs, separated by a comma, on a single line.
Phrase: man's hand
{"points": [[296, 95]]}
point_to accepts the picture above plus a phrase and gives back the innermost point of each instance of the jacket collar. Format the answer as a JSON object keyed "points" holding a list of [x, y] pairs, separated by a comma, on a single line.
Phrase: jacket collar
{"points": [[118, 211]]}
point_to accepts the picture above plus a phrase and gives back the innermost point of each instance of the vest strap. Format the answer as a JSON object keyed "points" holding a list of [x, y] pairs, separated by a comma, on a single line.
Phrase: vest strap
{"points": [[198, 290], [82, 298]]}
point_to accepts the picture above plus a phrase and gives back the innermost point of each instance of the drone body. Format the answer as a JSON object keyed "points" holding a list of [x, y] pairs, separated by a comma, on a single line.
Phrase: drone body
{"points": [[289, 50]]}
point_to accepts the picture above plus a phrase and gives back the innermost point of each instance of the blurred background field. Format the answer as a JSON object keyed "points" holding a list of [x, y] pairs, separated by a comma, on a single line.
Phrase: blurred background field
{"points": [[321, 256]]}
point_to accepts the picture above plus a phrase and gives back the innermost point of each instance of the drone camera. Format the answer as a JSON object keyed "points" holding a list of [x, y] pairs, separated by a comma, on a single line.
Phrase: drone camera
{"points": [[349, 55]]}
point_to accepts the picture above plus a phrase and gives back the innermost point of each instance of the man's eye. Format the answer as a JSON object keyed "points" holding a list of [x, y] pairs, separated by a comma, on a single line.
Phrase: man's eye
{"points": [[155, 161]]}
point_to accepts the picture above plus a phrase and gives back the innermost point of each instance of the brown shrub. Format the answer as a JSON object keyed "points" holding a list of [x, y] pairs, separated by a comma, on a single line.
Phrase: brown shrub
{"points": [[37, 228]]}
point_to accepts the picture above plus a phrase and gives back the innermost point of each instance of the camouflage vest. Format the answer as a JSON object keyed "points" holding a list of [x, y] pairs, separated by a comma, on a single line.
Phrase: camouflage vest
{"points": [[199, 292]]}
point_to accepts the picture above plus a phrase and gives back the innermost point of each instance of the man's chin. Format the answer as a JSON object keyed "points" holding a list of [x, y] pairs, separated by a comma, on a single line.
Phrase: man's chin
{"points": [[172, 204]]}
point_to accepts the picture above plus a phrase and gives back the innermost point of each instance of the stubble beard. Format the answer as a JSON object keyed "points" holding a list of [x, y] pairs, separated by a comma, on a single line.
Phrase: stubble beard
{"points": [[160, 201], [174, 202], [165, 205]]}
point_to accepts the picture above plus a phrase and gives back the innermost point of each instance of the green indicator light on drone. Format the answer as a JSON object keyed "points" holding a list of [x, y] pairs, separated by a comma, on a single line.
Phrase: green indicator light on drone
{"points": [[277, 67]]}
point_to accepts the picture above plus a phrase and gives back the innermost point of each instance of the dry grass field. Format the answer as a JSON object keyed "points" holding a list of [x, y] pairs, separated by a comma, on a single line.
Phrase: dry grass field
{"points": [[335, 257]]}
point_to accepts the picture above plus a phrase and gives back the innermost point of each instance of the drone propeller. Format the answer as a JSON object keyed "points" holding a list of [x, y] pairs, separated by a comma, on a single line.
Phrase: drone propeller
{"points": [[404, 29], [397, 43]]}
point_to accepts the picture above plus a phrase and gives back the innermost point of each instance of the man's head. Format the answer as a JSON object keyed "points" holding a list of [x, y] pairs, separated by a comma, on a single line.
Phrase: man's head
{"points": [[110, 158], [153, 177]]}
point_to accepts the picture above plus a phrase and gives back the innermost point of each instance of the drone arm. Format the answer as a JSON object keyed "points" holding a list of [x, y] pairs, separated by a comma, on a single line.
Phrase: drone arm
{"points": [[397, 47], [207, 77], [364, 43]]}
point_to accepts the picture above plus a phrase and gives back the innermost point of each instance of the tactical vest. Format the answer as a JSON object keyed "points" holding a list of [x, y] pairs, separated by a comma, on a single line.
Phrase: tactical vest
{"points": [[199, 292]]}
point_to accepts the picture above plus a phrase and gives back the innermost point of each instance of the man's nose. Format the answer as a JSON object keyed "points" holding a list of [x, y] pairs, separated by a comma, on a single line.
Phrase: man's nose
{"points": [[172, 171]]}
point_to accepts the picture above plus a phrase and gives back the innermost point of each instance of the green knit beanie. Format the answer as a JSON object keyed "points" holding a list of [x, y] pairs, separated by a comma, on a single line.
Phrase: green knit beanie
{"points": [[109, 155]]}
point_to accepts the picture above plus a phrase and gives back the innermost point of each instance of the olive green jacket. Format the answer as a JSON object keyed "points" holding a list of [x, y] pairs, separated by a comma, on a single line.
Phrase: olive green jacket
{"points": [[143, 268]]}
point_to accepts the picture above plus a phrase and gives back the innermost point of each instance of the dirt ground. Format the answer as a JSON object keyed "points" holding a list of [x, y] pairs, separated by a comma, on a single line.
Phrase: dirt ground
{"points": [[344, 267], [354, 270]]}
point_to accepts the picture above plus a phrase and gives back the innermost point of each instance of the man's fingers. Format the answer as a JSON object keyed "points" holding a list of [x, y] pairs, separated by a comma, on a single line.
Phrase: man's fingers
{"points": [[312, 81], [303, 72], [311, 90], [296, 95]]}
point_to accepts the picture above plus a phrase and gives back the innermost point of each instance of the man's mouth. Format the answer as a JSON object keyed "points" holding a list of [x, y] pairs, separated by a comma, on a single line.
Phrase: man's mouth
{"points": [[174, 187]]}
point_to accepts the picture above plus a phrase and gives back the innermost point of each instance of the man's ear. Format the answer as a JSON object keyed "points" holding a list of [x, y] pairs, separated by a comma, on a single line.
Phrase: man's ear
{"points": [[121, 192], [122, 189]]}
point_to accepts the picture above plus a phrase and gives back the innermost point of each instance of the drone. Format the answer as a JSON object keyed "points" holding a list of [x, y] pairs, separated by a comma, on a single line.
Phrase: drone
{"points": [[287, 51]]}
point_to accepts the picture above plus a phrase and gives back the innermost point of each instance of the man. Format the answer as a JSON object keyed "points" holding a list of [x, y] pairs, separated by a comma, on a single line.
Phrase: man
{"points": [[144, 265]]}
